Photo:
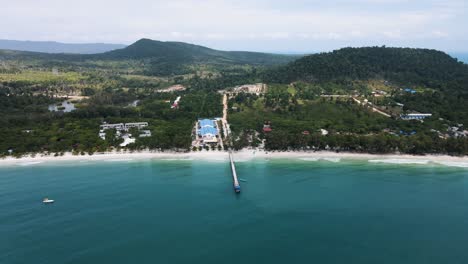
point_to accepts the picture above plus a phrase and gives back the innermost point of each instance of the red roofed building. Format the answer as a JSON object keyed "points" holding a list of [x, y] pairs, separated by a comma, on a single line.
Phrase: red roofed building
{"points": [[267, 127]]}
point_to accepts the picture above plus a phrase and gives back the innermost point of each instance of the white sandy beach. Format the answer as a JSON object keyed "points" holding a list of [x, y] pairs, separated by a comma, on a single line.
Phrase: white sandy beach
{"points": [[244, 155]]}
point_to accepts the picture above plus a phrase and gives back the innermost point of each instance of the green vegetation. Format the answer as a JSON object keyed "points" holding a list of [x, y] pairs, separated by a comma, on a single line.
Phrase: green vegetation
{"points": [[441, 81], [29, 127], [350, 127], [304, 98]]}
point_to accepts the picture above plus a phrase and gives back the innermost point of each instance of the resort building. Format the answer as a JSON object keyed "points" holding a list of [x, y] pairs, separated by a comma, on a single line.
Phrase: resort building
{"points": [[415, 116], [145, 133], [139, 125], [207, 130], [410, 90], [122, 131], [267, 127]]}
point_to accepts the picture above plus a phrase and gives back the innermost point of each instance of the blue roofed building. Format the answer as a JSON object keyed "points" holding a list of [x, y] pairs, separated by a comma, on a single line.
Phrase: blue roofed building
{"points": [[207, 130], [409, 90]]}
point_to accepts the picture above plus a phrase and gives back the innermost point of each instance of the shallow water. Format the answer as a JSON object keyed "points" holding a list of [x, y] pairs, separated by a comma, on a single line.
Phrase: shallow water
{"points": [[289, 211], [67, 105]]}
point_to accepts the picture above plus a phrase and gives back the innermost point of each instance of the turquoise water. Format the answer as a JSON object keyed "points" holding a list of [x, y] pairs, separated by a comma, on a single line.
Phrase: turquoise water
{"points": [[187, 212], [461, 56]]}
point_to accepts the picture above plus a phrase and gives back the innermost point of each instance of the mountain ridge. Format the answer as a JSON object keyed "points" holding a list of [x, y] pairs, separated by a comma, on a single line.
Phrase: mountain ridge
{"points": [[431, 68], [187, 52], [54, 47]]}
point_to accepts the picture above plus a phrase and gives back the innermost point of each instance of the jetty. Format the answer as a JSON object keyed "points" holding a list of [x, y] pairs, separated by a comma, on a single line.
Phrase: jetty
{"points": [[234, 174]]}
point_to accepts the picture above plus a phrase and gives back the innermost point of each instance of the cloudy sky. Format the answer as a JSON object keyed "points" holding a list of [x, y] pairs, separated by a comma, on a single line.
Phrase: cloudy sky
{"points": [[260, 25]]}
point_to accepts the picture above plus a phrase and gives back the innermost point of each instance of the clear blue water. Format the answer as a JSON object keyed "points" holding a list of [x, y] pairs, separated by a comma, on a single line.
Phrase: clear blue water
{"points": [[460, 56], [186, 212]]}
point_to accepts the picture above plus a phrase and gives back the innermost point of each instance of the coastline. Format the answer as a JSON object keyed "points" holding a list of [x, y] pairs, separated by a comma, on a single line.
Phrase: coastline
{"points": [[243, 155]]}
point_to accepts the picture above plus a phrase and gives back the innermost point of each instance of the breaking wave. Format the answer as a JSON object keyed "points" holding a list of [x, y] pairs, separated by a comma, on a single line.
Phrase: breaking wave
{"points": [[30, 163], [400, 161], [453, 164], [322, 159]]}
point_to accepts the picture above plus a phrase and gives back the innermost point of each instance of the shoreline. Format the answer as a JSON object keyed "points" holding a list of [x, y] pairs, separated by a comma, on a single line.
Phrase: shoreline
{"points": [[243, 155]]}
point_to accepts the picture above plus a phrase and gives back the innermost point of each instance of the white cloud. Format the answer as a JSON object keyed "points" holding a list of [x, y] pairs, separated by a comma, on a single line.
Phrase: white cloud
{"points": [[229, 22], [392, 34], [439, 34]]}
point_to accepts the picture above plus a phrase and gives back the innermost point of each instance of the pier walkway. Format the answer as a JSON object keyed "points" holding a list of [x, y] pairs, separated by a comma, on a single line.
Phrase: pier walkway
{"points": [[234, 174]]}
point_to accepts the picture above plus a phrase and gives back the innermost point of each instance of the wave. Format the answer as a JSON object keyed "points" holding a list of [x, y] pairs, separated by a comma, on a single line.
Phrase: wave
{"points": [[332, 159], [400, 161], [176, 159], [30, 163], [335, 160], [118, 160], [309, 159], [453, 164]]}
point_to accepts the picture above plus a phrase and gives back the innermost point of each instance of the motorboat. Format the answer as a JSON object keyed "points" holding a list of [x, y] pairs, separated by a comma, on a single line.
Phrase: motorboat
{"points": [[47, 200]]}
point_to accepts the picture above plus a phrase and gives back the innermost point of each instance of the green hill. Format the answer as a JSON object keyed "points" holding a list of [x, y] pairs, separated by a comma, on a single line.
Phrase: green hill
{"points": [[408, 66], [155, 57], [190, 53]]}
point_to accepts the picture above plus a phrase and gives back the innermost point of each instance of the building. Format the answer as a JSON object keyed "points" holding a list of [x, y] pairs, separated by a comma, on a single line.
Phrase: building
{"points": [[417, 116], [120, 126], [323, 132], [267, 127], [145, 133], [409, 90], [122, 131], [208, 131], [138, 125]]}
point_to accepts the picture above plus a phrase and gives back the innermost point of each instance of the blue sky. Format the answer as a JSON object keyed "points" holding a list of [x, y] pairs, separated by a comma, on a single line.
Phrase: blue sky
{"points": [[259, 25]]}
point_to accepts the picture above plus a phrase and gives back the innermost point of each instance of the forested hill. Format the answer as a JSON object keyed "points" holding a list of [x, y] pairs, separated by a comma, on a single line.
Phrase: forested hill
{"points": [[189, 53], [152, 57], [426, 67]]}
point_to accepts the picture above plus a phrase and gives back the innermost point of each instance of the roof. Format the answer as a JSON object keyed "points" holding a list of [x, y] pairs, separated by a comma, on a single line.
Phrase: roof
{"points": [[207, 127], [208, 130], [410, 90], [206, 123]]}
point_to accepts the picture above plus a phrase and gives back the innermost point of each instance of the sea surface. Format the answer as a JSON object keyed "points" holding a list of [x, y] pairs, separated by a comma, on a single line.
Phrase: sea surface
{"points": [[185, 211], [460, 56]]}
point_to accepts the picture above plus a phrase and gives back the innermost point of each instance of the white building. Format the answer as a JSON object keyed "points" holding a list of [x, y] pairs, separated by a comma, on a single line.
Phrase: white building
{"points": [[122, 131], [145, 133], [415, 116]]}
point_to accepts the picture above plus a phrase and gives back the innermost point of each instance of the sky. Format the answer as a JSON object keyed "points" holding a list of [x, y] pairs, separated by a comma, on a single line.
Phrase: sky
{"points": [[299, 26]]}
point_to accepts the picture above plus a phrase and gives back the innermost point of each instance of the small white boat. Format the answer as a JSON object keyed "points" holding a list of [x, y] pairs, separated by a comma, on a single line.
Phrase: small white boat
{"points": [[47, 200]]}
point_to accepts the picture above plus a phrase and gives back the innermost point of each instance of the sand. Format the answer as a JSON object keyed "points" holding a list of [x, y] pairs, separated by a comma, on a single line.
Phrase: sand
{"points": [[244, 155]]}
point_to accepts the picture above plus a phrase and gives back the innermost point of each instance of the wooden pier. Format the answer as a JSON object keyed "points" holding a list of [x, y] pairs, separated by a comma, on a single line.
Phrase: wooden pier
{"points": [[234, 174]]}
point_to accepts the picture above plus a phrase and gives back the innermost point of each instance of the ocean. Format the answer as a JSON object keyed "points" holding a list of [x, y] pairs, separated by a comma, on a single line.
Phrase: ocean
{"points": [[460, 56], [185, 211]]}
